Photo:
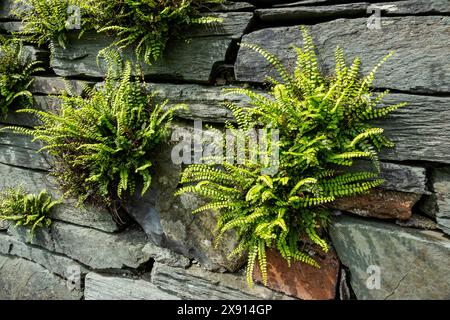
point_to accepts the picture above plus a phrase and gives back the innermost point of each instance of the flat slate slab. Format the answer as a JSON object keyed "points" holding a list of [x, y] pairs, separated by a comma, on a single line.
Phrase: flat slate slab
{"points": [[390, 262], [33, 283], [36, 181], [93, 248], [104, 287], [191, 60], [421, 43]]}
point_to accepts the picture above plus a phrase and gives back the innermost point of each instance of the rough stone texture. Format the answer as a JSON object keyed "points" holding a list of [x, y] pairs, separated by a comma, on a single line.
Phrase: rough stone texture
{"points": [[102, 287], [4, 225], [438, 204], [421, 44], [55, 263], [379, 203], [55, 85], [198, 284], [301, 280], [416, 129], [419, 129], [293, 14], [34, 282], [7, 7], [166, 256], [232, 6], [169, 222], [11, 26], [419, 222], [96, 249], [35, 181], [398, 177], [413, 264], [193, 61], [18, 150]]}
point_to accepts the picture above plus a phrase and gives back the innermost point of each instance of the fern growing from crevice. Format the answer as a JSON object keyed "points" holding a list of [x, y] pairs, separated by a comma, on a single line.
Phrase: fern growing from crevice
{"points": [[25, 209], [103, 142], [50, 21], [145, 25], [323, 124], [16, 70]]}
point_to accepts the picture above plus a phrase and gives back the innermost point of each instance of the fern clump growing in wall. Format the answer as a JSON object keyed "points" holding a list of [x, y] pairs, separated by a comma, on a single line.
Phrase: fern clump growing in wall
{"points": [[25, 209], [103, 143], [15, 75], [324, 125], [50, 21], [145, 25]]}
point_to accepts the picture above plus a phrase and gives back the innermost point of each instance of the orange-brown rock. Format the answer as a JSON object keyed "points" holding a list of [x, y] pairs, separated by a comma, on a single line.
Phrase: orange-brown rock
{"points": [[379, 203], [301, 280]]}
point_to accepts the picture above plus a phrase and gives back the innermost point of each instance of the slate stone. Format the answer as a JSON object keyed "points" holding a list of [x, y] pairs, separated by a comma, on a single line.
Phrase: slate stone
{"points": [[169, 222], [36, 181], [293, 14], [34, 282], [55, 263], [390, 262], [18, 150], [93, 248], [104, 287], [198, 284], [438, 204], [421, 44], [191, 60]]}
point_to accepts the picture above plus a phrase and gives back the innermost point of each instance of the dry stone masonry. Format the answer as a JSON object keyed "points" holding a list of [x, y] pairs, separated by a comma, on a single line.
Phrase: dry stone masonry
{"points": [[393, 243]]}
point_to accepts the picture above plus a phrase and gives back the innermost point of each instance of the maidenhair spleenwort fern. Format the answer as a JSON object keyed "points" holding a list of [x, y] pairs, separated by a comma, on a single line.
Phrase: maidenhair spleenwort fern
{"points": [[24, 209], [145, 25], [103, 143], [324, 126], [15, 75]]}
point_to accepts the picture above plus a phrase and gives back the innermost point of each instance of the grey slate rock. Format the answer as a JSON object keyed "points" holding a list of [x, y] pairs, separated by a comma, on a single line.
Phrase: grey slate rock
{"points": [[166, 256], [193, 61], [412, 264], [34, 282], [302, 12], [169, 222], [198, 284], [36, 181], [55, 263], [104, 287], [93, 248], [438, 204], [421, 44], [18, 150], [398, 177]]}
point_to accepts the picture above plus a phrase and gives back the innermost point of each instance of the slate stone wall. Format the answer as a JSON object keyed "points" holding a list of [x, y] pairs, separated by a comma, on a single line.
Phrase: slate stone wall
{"points": [[397, 235]]}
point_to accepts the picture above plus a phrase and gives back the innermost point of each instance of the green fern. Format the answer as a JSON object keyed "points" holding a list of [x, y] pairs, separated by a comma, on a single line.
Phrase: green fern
{"points": [[24, 209], [15, 76], [145, 25], [103, 143], [323, 127]]}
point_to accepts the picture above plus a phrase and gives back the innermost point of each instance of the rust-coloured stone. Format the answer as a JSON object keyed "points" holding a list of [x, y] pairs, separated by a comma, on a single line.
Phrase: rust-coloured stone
{"points": [[301, 280], [380, 203]]}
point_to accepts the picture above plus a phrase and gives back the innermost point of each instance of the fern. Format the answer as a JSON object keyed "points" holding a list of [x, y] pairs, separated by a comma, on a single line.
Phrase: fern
{"points": [[23, 209], [323, 127], [15, 76], [145, 25], [103, 143]]}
